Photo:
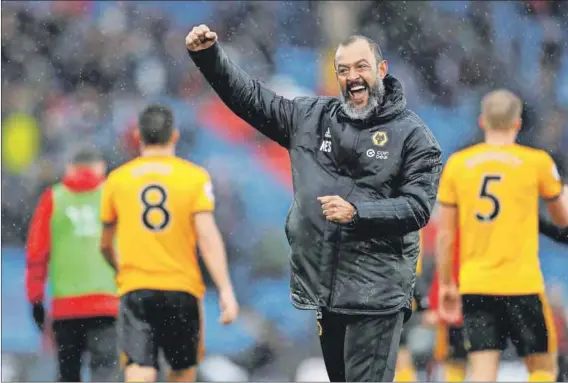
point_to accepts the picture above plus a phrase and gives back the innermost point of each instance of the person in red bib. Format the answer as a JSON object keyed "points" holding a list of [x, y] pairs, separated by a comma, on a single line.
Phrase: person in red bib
{"points": [[63, 248]]}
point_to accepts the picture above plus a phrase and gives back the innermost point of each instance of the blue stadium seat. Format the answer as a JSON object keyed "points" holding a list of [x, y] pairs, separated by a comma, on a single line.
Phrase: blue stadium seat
{"points": [[504, 26], [19, 333], [531, 42], [271, 298], [562, 82], [554, 262], [264, 196], [183, 13], [302, 64], [457, 7], [449, 126]]}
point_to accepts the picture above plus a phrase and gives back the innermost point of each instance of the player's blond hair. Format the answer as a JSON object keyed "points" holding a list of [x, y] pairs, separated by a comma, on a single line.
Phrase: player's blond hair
{"points": [[500, 109]]}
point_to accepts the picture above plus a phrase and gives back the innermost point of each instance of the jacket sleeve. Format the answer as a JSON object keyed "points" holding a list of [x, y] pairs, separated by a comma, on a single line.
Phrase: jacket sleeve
{"points": [[420, 288], [248, 98], [38, 247], [420, 175]]}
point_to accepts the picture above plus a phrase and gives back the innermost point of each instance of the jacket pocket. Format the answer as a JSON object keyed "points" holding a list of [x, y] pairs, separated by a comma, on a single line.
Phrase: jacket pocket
{"points": [[369, 276], [287, 224], [387, 244]]}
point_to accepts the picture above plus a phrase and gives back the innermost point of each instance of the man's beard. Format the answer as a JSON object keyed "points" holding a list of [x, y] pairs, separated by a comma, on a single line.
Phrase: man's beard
{"points": [[375, 98]]}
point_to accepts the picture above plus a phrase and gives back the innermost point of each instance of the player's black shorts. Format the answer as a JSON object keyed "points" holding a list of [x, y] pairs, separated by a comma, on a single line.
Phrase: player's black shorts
{"points": [[456, 346], [169, 320], [490, 320]]}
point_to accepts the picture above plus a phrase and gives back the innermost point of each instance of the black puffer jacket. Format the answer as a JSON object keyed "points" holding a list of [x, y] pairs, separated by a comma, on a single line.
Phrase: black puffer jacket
{"points": [[388, 166]]}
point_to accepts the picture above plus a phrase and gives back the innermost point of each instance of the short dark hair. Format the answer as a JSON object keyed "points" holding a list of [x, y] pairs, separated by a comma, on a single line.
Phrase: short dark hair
{"points": [[86, 156], [156, 125], [372, 44]]}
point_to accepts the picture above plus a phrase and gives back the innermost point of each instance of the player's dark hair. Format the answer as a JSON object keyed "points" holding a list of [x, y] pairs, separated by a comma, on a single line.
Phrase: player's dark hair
{"points": [[372, 44], [86, 156], [156, 125]]}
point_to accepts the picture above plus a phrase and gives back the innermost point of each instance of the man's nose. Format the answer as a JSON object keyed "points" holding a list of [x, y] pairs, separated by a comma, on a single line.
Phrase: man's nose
{"points": [[352, 75]]}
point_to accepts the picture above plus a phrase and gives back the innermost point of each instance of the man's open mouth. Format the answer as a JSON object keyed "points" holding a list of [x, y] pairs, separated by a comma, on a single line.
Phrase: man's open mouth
{"points": [[357, 92]]}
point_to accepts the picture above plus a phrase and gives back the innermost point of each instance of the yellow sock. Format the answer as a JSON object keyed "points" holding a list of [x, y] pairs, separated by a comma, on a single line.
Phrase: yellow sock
{"points": [[405, 375], [542, 376], [454, 373]]}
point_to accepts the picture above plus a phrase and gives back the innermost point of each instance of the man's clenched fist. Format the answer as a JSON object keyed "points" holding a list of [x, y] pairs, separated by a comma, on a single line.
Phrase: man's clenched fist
{"points": [[200, 38], [336, 209]]}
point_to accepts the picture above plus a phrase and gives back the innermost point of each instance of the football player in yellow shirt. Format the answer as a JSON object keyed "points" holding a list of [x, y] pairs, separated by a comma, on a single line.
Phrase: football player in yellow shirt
{"points": [[160, 207], [490, 193]]}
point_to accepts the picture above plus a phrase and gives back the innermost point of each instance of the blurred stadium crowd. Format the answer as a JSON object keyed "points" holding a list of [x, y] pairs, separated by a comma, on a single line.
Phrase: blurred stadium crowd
{"points": [[79, 72]]}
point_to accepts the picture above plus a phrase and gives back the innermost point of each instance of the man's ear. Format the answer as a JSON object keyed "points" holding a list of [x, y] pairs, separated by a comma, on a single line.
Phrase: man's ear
{"points": [[383, 68], [517, 124], [481, 122], [175, 136]]}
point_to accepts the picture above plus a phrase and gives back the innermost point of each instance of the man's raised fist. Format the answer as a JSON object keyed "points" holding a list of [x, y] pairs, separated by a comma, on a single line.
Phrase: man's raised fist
{"points": [[200, 38]]}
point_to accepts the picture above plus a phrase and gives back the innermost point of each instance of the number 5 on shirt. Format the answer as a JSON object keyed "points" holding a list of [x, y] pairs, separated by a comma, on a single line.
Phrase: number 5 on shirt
{"points": [[485, 193]]}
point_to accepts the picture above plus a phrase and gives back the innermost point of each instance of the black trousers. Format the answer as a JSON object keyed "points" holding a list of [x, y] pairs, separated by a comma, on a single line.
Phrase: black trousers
{"points": [[97, 336], [360, 348], [562, 368]]}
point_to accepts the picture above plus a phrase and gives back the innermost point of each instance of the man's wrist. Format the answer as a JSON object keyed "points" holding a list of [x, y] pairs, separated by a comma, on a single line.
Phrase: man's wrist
{"points": [[202, 52], [355, 216], [446, 285], [225, 289]]}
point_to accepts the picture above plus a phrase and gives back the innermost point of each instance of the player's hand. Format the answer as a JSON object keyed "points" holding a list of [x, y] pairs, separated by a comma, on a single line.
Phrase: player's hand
{"points": [[229, 307], [336, 209], [450, 304], [38, 313], [200, 38]]}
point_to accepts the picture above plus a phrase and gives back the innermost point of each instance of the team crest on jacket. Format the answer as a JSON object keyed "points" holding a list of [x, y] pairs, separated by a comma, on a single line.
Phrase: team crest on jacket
{"points": [[380, 138]]}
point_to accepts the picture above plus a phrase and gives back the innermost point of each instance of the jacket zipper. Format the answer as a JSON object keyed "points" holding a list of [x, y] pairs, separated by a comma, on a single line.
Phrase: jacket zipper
{"points": [[338, 241]]}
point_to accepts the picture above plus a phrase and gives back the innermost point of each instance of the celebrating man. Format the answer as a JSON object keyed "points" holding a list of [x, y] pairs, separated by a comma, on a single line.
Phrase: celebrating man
{"points": [[365, 172]]}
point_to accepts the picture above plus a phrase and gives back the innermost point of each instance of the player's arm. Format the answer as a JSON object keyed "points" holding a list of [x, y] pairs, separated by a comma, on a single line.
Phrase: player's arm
{"points": [[552, 231], [248, 98], [38, 248], [214, 256], [447, 224], [447, 231], [449, 301], [212, 249], [430, 317], [553, 191], [109, 219], [558, 209], [107, 244], [411, 209]]}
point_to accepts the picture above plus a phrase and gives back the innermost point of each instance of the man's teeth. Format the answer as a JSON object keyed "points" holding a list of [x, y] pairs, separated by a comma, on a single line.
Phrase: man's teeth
{"points": [[357, 88]]}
